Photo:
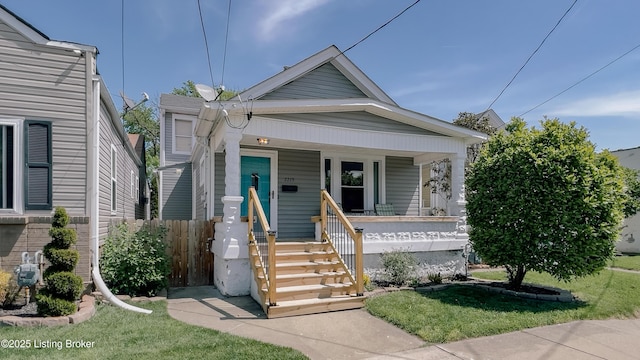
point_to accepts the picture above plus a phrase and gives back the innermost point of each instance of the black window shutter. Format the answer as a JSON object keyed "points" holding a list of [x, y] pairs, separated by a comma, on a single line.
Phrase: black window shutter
{"points": [[38, 165]]}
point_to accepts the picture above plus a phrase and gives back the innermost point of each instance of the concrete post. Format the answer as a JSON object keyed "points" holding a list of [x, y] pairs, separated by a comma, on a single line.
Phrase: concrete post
{"points": [[232, 275]]}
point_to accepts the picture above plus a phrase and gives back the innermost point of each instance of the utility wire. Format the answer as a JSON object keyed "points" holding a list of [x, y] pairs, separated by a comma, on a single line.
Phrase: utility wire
{"points": [[122, 41], [379, 27], [226, 40], [206, 43], [532, 54], [581, 80]]}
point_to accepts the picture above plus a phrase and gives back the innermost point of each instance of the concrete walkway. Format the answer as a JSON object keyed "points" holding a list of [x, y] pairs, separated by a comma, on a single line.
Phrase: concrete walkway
{"points": [[354, 334]]}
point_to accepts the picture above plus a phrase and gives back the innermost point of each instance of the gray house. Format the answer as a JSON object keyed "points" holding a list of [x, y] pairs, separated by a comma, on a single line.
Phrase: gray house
{"points": [[61, 144], [319, 124]]}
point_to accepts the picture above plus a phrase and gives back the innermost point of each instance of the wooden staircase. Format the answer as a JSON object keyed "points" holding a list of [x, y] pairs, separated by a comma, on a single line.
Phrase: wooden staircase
{"points": [[310, 278]]}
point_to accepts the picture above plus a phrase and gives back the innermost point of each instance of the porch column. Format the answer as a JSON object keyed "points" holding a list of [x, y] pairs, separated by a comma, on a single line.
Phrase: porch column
{"points": [[457, 182], [232, 274]]}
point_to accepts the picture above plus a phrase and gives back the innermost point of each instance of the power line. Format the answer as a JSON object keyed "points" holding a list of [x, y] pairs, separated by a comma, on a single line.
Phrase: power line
{"points": [[226, 40], [532, 54], [122, 40], [580, 81], [206, 43], [379, 27]]}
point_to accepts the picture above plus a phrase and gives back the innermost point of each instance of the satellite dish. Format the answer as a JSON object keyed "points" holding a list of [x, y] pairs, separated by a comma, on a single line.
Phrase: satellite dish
{"points": [[128, 103], [207, 92]]}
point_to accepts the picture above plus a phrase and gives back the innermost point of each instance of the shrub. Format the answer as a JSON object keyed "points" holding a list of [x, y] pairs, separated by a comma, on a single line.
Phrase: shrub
{"points": [[62, 286], [398, 265], [52, 306], [135, 263], [5, 284], [62, 238], [64, 259], [435, 278]]}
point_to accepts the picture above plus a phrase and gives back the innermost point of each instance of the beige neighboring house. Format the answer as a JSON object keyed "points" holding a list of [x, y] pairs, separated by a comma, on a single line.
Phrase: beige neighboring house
{"points": [[629, 242]]}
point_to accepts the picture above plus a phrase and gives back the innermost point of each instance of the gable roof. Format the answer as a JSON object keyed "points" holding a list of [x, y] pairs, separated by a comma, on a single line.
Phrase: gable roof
{"points": [[36, 36], [335, 60]]}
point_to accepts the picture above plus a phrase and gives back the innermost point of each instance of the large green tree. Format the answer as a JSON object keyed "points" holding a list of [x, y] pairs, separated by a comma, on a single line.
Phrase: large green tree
{"points": [[542, 199], [144, 120]]}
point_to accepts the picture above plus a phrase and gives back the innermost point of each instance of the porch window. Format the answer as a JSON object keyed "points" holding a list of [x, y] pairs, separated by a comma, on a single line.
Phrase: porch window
{"points": [[327, 175], [352, 181]]}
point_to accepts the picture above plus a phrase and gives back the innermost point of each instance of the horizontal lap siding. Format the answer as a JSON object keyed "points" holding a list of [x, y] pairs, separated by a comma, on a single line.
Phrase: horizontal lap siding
{"points": [[295, 209], [403, 185], [176, 188], [125, 204], [40, 83], [360, 120], [325, 82], [218, 190]]}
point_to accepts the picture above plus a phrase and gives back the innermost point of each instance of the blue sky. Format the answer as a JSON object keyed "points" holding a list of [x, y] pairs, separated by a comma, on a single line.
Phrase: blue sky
{"points": [[439, 58]]}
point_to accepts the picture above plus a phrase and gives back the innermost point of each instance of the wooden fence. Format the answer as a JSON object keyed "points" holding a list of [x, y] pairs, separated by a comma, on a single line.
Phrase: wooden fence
{"points": [[188, 247]]}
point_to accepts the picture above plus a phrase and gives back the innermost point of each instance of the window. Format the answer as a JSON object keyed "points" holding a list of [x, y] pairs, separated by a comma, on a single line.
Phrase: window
{"points": [[138, 190], [133, 187], [352, 181], [25, 181], [7, 166], [356, 182], [182, 134], [114, 179]]}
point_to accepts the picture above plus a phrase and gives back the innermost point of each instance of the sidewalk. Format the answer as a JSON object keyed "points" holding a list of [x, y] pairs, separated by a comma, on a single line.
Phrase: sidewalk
{"points": [[355, 334]]}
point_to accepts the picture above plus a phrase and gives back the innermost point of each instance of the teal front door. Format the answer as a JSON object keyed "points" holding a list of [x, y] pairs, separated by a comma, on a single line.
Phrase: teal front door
{"points": [[256, 171]]}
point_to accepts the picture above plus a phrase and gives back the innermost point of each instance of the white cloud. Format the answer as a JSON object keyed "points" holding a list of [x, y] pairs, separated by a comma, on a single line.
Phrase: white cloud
{"points": [[281, 13], [626, 104]]}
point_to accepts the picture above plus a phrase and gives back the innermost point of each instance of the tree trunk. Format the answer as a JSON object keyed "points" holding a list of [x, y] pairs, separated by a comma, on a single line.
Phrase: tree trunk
{"points": [[516, 275]]}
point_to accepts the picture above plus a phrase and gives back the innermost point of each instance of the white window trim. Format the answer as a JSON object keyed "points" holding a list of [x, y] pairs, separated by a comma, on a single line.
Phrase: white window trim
{"points": [[173, 132], [137, 191], [203, 170], [114, 179], [132, 185], [18, 150], [367, 160]]}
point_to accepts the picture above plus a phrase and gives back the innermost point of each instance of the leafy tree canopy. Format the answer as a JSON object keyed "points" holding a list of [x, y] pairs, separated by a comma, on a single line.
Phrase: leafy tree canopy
{"points": [[188, 88], [542, 199]]}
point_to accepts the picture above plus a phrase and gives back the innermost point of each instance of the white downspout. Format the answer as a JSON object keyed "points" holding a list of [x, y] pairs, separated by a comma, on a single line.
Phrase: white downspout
{"points": [[94, 195]]}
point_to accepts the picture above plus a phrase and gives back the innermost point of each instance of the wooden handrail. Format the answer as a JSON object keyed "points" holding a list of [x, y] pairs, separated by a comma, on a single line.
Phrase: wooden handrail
{"points": [[355, 234], [270, 276]]}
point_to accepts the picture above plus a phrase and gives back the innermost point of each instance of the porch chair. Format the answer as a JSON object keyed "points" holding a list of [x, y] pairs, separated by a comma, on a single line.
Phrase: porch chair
{"points": [[385, 210]]}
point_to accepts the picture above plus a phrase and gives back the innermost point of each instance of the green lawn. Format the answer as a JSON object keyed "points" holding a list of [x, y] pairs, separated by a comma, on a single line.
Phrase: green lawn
{"points": [[628, 262], [461, 312], [121, 334]]}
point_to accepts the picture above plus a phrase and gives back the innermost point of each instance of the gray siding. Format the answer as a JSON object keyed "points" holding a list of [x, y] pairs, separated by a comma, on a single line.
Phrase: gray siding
{"points": [[325, 82], [176, 188], [40, 83], [218, 188], [176, 193], [360, 120], [403, 185], [125, 203], [295, 209]]}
